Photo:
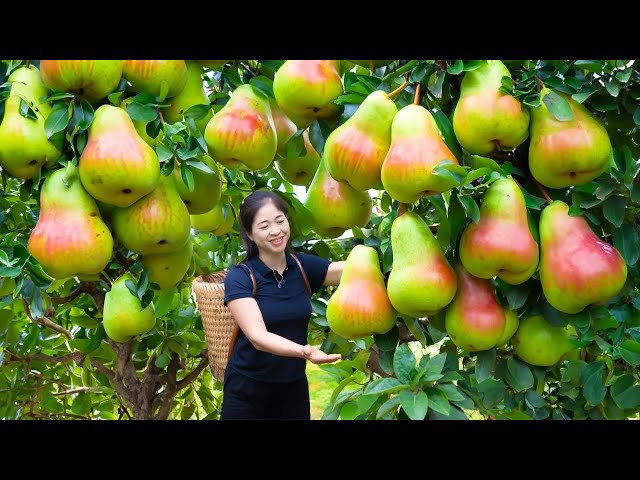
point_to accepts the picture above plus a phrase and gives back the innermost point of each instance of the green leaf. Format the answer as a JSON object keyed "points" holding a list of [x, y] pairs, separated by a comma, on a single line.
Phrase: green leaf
{"points": [[142, 113], [636, 116], [470, 207], [165, 299], [519, 375], [163, 152], [592, 378], [384, 385], [627, 241], [187, 178], [438, 401], [26, 110], [456, 68], [163, 360], [614, 210], [534, 400], [452, 392], [418, 73], [434, 366], [415, 405], [630, 351], [558, 107], [625, 392], [81, 405], [56, 121], [478, 162], [613, 87], [388, 341], [197, 112], [415, 327], [403, 362], [485, 363], [387, 407]]}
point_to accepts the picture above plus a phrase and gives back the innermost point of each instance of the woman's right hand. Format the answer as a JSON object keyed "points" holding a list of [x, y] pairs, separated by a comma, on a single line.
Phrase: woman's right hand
{"points": [[317, 356]]}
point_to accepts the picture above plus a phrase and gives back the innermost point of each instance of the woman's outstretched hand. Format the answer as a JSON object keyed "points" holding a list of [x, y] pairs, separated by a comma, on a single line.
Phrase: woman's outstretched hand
{"points": [[317, 356]]}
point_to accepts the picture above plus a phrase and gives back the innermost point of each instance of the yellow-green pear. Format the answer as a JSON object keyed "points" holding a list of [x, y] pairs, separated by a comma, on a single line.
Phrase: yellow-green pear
{"points": [[24, 147], [207, 188], [242, 134], [485, 119], [123, 316], [192, 94], [300, 170], [117, 166], [421, 281], [91, 80], [167, 269], [156, 76], [511, 326], [355, 151], [70, 237], [360, 306], [219, 220], [157, 223], [570, 152], [539, 343]]}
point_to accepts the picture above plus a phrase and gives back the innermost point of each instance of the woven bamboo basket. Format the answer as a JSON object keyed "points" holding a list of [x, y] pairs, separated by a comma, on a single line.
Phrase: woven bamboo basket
{"points": [[216, 319]]}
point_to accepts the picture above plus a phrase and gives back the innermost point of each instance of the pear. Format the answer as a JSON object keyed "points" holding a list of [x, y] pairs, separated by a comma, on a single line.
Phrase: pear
{"points": [[117, 166], [24, 147], [511, 326], [123, 316], [91, 80], [213, 64], [285, 128], [242, 134], [206, 191], [157, 223], [167, 269], [354, 152], [306, 90], [334, 206], [219, 220], [192, 94], [70, 237], [539, 343], [421, 281], [416, 149], [156, 76], [300, 170], [567, 153], [486, 120], [360, 307], [141, 127], [474, 320], [500, 244], [577, 268]]}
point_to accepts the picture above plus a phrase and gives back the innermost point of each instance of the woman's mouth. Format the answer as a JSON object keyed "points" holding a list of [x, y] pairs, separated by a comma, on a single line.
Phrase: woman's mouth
{"points": [[277, 242]]}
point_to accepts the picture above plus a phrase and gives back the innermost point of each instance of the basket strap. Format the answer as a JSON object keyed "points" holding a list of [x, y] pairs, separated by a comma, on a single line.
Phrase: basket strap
{"points": [[236, 328], [304, 275]]}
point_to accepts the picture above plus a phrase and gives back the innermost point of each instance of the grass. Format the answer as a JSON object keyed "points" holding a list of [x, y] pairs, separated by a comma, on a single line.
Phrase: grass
{"points": [[321, 386]]}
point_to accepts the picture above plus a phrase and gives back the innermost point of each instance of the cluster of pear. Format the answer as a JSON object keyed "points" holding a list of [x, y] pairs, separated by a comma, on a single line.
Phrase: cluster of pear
{"points": [[117, 192], [378, 147]]}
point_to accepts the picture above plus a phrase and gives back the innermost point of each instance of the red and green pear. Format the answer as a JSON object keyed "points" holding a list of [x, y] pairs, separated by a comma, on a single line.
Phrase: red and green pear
{"points": [[474, 320], [306, 90], [417, 147], [91, 80], [485, 119], [24, 147], [157, 223], [117, 166], [539, 343], [242, 134], [160, 78], [70, 237], [577, 268], [570, 152], [511, 326], [355, 151], [285, 128], [360, 307], [123, 316], [421, 281], [335, 207], [500, 244]]}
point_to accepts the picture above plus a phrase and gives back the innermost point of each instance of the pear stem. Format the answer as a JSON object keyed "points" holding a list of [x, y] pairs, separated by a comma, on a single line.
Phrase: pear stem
{"points": [[398, 90], [402, 207], [416, 97], [161, 117], [27, 63], [371, 67], [544, 192], [104, 274], [539, 83]]}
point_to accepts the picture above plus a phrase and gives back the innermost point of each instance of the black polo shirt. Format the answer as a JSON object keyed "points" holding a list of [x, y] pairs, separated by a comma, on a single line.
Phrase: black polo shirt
{"points": [[285, 310]]}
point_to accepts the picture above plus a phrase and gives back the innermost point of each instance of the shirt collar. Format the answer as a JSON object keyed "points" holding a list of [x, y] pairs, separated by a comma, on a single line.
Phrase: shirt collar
{"points": [[260, 267]]}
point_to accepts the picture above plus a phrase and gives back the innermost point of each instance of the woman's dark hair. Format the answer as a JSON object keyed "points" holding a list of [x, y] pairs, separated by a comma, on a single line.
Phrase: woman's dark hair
{"points": [[248, 210]]}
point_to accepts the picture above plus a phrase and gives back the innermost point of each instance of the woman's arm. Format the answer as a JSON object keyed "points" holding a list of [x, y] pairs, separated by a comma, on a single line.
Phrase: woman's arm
{"points": [[334, 273], [247, 313]]}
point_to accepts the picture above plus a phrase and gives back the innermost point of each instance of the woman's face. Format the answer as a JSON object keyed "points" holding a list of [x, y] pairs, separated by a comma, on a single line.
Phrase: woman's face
{"points": [[270, 229]]}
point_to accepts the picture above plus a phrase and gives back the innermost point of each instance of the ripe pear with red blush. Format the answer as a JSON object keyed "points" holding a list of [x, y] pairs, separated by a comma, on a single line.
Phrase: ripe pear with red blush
{"points": [[117, 166], [360, 305], [485, 119], [417, 147], [91, 80], [567, 153], [500, 244], [306, 90], [160, 78], [242, 134], [335, 207], [70, 237], [577, 268], [421, 281], [354, 152], [474, 320]]}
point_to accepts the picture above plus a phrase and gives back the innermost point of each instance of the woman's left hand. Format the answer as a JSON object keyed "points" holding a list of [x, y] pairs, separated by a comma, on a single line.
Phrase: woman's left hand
{"points": [[317, 356]]}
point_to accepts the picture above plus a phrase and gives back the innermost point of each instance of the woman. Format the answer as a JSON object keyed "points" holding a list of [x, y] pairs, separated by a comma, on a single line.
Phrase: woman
{"points": [[265, 377]]}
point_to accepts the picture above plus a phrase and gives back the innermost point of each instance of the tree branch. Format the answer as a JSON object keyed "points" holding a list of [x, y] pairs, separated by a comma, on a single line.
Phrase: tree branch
{"points": [[45, 321], [374, 364], [84, 287], [191, 376]]}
